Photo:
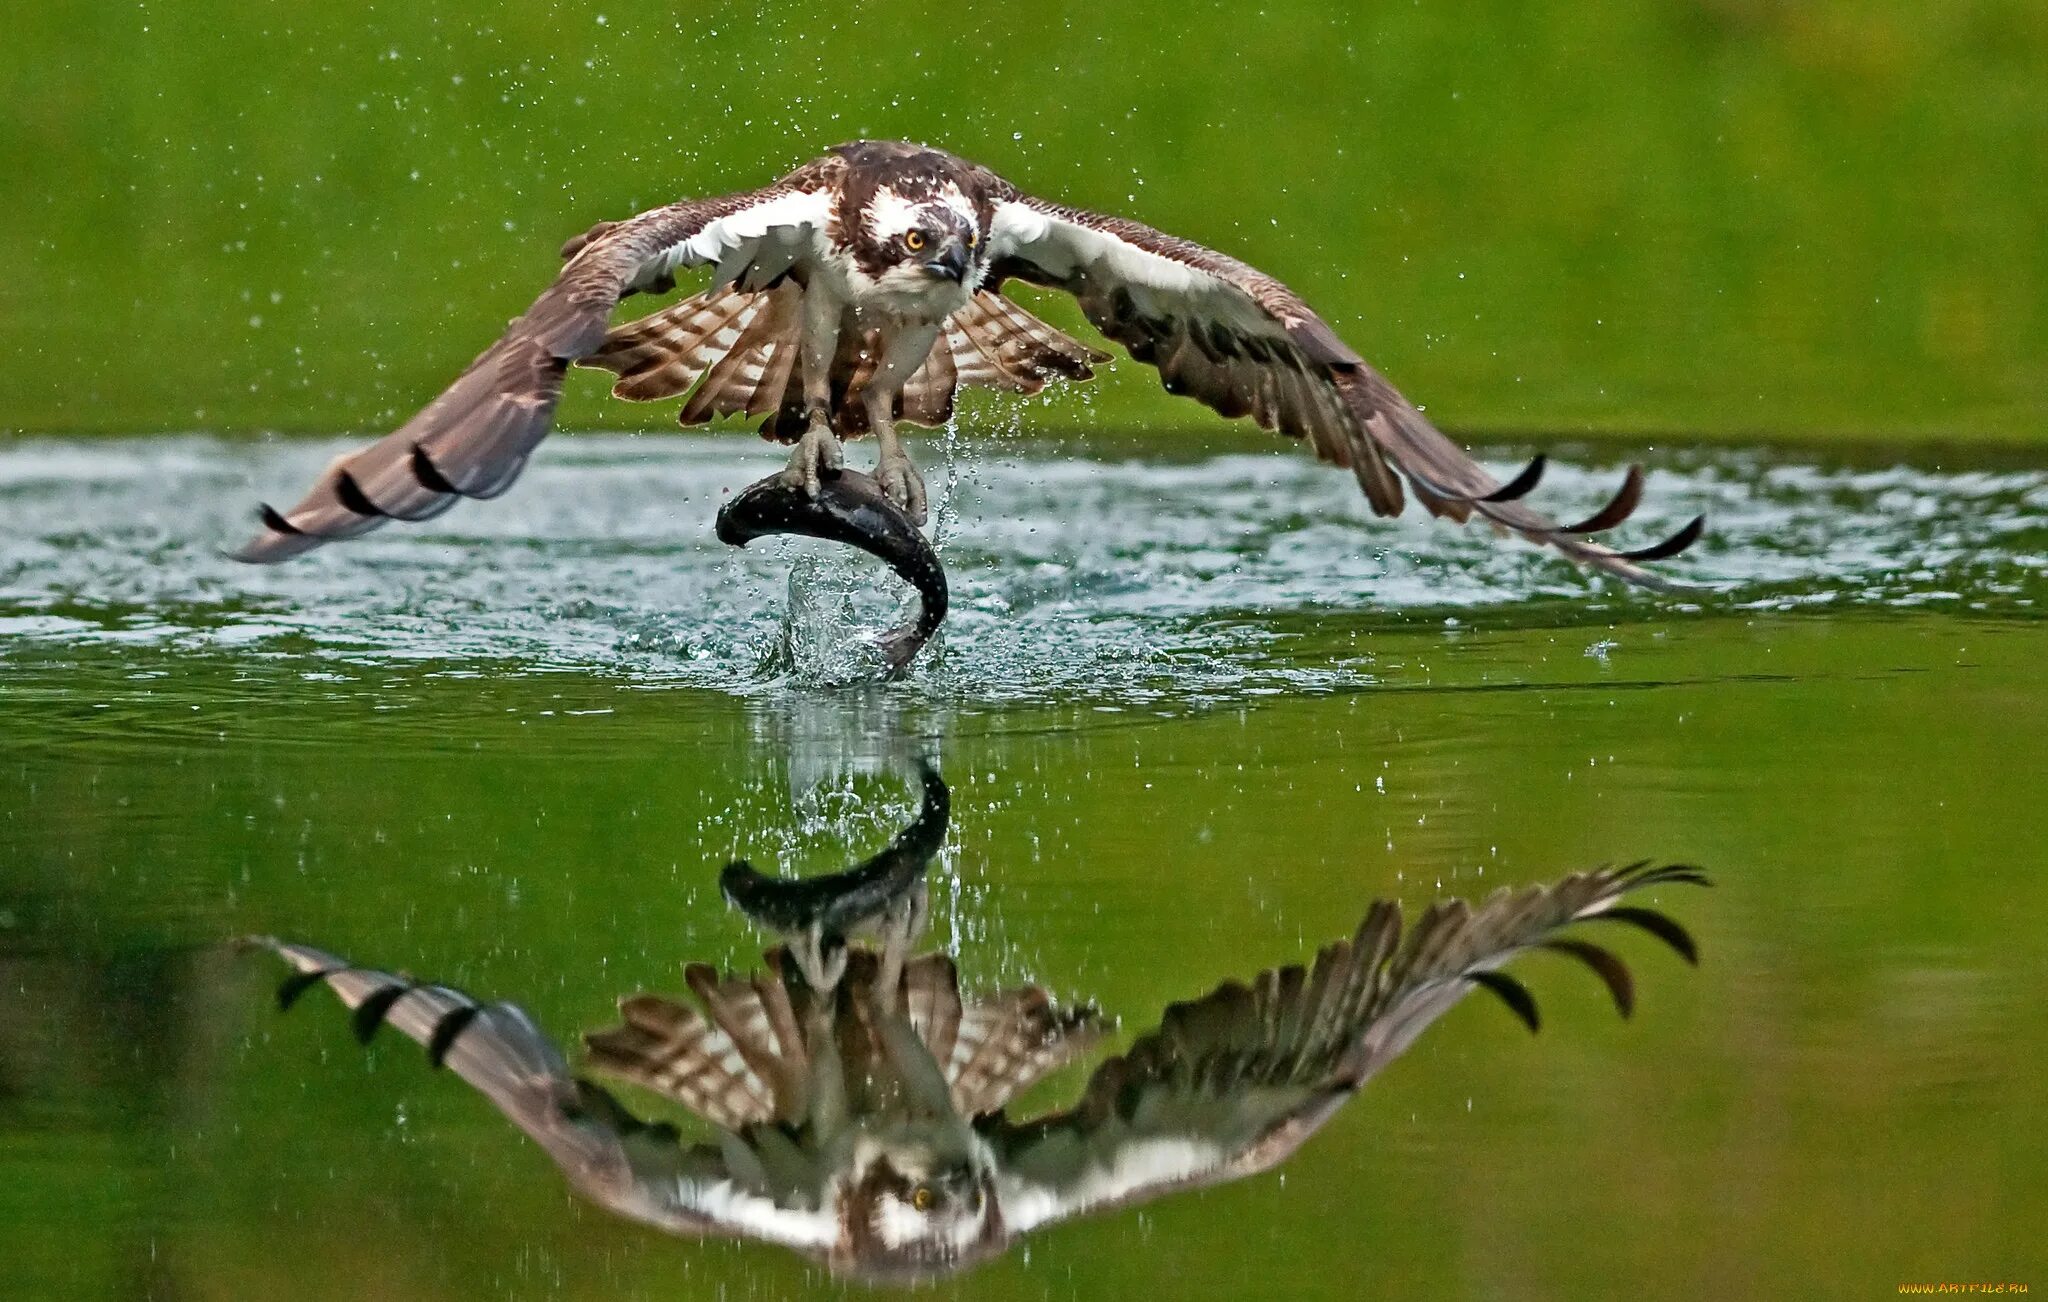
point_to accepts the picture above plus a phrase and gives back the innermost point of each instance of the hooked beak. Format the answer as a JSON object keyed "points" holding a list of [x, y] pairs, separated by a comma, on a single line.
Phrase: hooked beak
{"points": [[951, 262]]}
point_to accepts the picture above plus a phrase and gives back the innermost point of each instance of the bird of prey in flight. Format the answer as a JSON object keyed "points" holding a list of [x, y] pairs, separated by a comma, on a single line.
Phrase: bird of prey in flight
{"points": [[859, 1099], [864, 289]]}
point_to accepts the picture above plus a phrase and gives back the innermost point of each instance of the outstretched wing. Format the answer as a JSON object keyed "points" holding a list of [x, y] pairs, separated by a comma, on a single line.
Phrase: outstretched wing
{"points": [[1231, 1084], [474, 439], [1244, 344], [611, 1157]]}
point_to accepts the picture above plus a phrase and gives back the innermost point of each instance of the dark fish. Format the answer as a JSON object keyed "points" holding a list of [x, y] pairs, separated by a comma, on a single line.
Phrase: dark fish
{"points": [[849, 508], [840, 903]]}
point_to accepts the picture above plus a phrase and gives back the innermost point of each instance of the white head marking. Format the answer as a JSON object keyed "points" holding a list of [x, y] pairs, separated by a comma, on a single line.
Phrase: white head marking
{"points": [[889, 214]]}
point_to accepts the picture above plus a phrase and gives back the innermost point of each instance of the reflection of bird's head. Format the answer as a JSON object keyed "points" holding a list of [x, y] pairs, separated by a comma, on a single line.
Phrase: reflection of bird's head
{"points": [[913, 1208]]}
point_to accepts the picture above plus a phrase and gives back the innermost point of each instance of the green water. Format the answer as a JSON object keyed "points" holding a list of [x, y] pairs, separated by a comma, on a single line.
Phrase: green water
{"points": [[501, 753]]}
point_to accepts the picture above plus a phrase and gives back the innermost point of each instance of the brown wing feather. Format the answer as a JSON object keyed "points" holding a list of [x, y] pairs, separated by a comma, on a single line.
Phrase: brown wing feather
{"points": [[927, 396], [731, 350], [991, 1048], [1024, 351], [666, 354], [1239, 341], [742, 1060], [474, 439], [1009, 1042], [729, 383], [773, 361], [992, 343], [931, 998], [676, 1051]]}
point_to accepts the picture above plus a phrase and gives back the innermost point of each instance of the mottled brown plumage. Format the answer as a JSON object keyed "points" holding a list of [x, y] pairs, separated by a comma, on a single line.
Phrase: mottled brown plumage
{"points": [[743, 347], [865, 288]]}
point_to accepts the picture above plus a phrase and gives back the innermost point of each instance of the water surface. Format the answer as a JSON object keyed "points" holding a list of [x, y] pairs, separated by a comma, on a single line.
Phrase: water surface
{"points": [[1196, 713]]}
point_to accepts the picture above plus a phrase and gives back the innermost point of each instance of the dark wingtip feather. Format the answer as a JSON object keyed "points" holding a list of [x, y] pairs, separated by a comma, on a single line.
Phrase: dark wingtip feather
{"points": [[1658, 925], [429, 475], [447, 1029], [1521, 485], [351, 495], [1642, 875], [298, 983], [370, 1013], [1606, 966], [1618, 508], [1512, 993], [274, 543], [1671, 546]]}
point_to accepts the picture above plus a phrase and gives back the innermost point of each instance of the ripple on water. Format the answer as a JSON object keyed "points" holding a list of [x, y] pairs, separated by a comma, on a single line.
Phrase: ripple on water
{"points": [[1133, 579]]}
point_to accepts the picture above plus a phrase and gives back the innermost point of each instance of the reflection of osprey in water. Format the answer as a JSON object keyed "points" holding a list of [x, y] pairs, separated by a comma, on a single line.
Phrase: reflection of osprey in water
{"points": [[861, 1096]]}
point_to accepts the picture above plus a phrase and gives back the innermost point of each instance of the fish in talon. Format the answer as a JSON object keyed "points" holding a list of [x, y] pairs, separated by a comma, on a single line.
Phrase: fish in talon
{"points": [[850, 508]]}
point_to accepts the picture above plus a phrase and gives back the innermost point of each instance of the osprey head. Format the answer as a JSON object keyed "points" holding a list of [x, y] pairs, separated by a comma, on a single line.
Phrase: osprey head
{"points": [[909, 217], [915, 1210], [906, 238]]}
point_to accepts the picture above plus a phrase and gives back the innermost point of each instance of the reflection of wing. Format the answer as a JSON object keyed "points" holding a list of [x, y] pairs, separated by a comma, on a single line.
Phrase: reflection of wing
{"points": [[474, 439], [1244, 344], [609, 1156], [1232, 1083], [745, 1063], [995, 1047], [743, 1057]]}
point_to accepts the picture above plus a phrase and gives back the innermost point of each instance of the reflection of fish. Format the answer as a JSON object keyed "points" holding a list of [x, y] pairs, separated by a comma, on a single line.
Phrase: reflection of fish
{"points": [[850, 508], [864, 1121], [840, 904]]}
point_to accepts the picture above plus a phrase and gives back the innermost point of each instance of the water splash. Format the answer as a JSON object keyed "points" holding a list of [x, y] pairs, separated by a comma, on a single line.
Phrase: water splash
{"points": [[1129, 581]]}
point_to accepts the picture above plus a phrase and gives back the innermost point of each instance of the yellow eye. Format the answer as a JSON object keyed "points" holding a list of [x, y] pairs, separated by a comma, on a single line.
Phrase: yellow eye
{"points": [[914, 241], [973, 238], [922, 1196]]}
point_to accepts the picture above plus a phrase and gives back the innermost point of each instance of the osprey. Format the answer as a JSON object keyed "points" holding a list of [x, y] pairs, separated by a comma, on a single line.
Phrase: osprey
{"points": [[864, 289], [861, 1106]]}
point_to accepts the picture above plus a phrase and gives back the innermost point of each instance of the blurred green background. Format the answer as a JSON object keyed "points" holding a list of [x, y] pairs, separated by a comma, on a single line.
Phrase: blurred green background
{"points": [[1700, 218]]}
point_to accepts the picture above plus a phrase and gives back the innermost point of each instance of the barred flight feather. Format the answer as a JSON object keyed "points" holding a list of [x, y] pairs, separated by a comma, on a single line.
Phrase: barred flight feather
{"points": [[675, 1051], [1361, 1002], [734, 352], [1010, 1042], [664, 355]]}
